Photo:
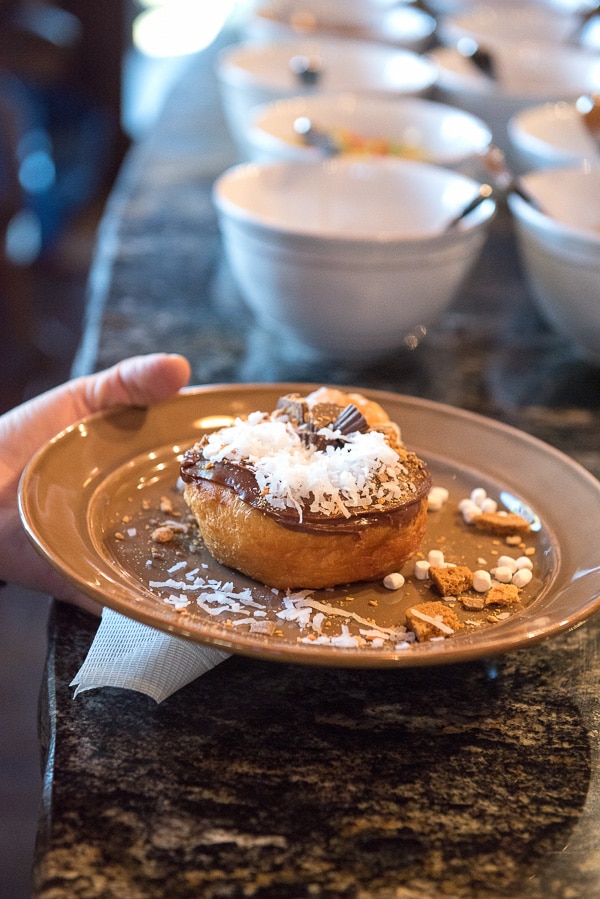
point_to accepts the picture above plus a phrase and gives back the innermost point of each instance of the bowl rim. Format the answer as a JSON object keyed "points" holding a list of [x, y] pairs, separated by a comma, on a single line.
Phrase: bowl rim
{"points": [[552, 153], [231, 72], [470, 19], [425, 22], [543, 222], [408, 105], [477, 83], [474, 222]]}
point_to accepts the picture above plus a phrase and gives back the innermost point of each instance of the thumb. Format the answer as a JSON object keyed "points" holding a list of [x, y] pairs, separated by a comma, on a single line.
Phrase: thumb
{"points": [[138, 381]]}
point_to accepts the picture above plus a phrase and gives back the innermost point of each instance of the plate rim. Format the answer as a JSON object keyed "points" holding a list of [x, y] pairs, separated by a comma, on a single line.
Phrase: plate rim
{"points": [[460, 649]]}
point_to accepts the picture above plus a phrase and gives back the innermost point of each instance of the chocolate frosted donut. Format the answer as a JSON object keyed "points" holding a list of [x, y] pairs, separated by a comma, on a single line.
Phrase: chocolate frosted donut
{"points": [[319, 492]]}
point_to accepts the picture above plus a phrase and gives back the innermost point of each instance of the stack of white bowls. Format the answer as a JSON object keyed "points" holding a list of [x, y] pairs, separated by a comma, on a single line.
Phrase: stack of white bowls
{"points": [[551, 135], [384, 21], [560, 246], [338, 237], [538, 53], [252, 73], [344, 259]]}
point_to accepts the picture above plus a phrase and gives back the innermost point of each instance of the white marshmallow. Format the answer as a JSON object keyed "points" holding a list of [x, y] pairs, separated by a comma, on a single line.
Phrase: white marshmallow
{"points": [[421, 570], [393, 581], [482, 581], [522, 577], [435, 557]]}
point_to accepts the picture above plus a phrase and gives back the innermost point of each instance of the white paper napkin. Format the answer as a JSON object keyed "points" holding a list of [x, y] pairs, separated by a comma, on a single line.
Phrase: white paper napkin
{"points": [[126, 653]]}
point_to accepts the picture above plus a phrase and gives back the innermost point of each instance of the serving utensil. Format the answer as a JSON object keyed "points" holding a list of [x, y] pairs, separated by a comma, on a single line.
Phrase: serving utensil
{"points": [[584, 17], [478, 55], [485, 191], [314, 136], [307, 69], [504, 179], [588, 107]]}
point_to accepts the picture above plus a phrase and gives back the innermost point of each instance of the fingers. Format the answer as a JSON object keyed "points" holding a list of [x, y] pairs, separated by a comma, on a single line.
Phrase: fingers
{"points": [[139, 381]]}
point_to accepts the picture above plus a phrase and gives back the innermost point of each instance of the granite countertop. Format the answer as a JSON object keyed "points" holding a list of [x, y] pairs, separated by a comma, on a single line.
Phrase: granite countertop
{"points": [[276, 780], [266, 779]]}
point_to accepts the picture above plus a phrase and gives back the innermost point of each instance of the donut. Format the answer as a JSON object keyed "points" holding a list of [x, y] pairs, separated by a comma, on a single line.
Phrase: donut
{"points": [[316, 493]]}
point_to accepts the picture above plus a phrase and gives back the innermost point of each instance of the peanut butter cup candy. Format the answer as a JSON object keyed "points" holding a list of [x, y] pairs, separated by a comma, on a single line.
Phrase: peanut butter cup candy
{"points": [[316, 493]]}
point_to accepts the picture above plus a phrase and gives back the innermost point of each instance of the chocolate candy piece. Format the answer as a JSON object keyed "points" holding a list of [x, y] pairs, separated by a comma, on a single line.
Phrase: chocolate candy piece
{"points": [[350, 420]]}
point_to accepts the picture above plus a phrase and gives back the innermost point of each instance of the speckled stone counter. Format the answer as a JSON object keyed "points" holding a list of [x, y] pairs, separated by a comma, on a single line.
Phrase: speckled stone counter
{"points": [[262, 779], [273, 780]]}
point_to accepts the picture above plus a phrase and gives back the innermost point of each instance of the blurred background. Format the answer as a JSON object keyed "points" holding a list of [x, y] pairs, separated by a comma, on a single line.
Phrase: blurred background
{"points": [[80, 81]]}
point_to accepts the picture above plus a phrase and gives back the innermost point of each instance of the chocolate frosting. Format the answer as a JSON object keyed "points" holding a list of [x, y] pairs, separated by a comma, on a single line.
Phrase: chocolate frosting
{"points": [[241, 480]]}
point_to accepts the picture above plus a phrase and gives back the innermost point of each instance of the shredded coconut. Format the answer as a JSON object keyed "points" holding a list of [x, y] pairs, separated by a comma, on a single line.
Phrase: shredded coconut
{"points": [[337, 480]]}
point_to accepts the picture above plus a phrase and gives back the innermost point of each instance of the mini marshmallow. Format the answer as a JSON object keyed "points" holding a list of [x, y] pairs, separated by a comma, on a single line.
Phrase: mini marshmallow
{"points": [[393, 581], [482, 581], [436, 498], [470, 511], [521, 577], [503, 574], [523, 562], [421, 570], [435, 557], [478, 495], [507, 562]]}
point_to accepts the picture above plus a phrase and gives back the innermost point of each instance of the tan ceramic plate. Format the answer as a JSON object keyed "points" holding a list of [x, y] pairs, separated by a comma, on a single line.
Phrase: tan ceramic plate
{"points": [[89, 501]]}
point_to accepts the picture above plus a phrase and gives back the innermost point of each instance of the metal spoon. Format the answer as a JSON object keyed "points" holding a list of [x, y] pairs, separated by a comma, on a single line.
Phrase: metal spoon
{"points": [[584, 18], [478, 55], [307, 69], [504, 180], [485, 191], [314, 136], [588, 107]]}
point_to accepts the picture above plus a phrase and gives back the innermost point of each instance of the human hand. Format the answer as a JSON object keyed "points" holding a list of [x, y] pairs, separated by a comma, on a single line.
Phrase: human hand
{"points": [[140, 381]]}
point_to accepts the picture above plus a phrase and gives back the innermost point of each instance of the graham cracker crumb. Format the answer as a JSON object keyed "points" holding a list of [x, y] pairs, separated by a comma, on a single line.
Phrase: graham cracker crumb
{"points": [[495, 523], [442, 621], [502, 595], [452, 581]]}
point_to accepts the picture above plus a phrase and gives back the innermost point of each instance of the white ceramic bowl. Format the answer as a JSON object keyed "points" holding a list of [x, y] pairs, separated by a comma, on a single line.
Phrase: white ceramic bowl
{"points": [[410, 127], [560, 249], [343, 259], [454, 7], [400, 25], [250, 74], [550, 135], [500, 23], [527, 74], [356, 13]]}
